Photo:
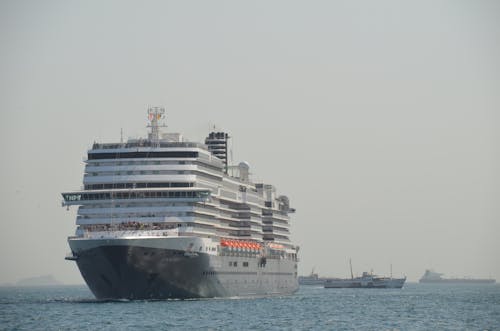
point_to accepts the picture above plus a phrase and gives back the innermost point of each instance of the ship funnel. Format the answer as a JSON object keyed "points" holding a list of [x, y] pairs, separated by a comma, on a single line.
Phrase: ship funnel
{"points": [[217, 145]]}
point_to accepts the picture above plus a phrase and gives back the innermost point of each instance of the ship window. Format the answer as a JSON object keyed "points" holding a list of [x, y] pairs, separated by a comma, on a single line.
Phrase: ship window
{"points": [[245, 264], [235, 264], [130, 155]]}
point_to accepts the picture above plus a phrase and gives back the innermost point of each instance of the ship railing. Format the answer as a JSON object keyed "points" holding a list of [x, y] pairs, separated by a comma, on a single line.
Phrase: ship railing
{"points": [[130, 233], [147, 143]]}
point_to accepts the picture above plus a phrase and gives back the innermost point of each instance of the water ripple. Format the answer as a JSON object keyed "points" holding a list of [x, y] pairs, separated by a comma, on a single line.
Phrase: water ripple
{"points": [[415, 307]]}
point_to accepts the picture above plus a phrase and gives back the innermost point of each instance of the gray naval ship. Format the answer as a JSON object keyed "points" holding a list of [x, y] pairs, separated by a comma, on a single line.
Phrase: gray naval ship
{"points": [[163, 218]]}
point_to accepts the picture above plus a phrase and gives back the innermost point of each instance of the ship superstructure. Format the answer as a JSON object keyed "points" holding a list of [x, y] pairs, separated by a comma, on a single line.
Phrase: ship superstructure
{"points": [[165, 218]]}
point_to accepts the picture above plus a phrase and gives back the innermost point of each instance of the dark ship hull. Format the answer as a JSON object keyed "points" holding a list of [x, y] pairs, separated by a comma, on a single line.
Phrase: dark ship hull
{"points": [[365, 283], [121, 272], [135, 272]]}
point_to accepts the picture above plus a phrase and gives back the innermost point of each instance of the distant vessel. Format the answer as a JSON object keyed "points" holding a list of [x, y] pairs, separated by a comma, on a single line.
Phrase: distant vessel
{"points": [[435, 277], [367, 280], [312, 279], [46, 280]]}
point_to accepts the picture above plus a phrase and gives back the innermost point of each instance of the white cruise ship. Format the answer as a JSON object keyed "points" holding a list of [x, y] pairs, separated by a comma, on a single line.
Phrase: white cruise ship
{"points": [[164, 218]]}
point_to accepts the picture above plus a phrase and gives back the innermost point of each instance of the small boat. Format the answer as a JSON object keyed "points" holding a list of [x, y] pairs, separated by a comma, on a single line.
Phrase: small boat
{"points": [[312, 279], [367, 280]]}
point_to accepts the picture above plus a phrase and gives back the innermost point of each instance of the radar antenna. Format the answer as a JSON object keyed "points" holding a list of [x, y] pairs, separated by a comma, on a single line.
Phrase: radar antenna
{"points": [[155, 114]]}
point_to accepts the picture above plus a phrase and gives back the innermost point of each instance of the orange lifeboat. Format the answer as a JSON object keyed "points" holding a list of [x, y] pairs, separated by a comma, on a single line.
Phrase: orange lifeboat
{"points": [[241, 245]]}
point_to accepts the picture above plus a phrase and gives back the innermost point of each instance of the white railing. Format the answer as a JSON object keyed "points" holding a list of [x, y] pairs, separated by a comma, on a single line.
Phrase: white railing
{"points": [[130, 234]]}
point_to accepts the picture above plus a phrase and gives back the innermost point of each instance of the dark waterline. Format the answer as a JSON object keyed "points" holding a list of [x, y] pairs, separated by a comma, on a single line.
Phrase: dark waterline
{"points": [[415, 307]]}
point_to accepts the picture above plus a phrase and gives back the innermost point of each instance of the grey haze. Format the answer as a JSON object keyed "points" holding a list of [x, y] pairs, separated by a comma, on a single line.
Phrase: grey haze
{"points": [[379, 119]]}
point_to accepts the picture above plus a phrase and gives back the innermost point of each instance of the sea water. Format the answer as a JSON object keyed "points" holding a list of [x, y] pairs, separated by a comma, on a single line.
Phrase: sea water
{"points": [[415, 307]]}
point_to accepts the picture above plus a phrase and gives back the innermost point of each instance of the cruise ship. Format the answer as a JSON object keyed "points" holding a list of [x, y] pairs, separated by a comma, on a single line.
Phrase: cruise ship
{"points": [[161, 217]]}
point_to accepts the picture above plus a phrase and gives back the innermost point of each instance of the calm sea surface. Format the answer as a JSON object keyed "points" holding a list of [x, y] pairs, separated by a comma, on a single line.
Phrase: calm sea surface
{"points": [[415, 307]]}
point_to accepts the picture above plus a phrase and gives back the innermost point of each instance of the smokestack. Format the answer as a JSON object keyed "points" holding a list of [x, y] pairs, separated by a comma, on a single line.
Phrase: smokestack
{"points": [[217, 145]]}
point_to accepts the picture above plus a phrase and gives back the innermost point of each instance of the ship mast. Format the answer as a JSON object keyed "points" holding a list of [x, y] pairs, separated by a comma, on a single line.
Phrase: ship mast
{"points": [[154, 115]]}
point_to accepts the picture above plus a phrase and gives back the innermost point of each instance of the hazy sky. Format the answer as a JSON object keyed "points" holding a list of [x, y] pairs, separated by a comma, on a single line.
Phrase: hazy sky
{"points": [[379, 119]]}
